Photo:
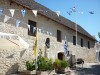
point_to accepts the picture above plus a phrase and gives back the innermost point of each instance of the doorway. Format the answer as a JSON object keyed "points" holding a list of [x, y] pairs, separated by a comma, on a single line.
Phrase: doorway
{"points": [[61, 55]]}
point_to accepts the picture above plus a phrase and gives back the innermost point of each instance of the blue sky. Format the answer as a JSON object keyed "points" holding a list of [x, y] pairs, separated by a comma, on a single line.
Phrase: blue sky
{"points": [[90, 22]]}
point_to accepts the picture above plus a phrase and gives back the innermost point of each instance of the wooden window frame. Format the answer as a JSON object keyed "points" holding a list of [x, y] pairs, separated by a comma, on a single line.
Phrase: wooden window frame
{"points": [[59, 36], [32, 26], [74, 40], [88, 43], [81, 42]]}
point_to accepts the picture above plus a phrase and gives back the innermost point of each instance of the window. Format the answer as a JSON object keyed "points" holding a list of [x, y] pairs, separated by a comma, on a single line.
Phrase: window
{"points": [[74, 40], [59, 36], [47, 43], [32, 29], [81, 42], [88, 45]]}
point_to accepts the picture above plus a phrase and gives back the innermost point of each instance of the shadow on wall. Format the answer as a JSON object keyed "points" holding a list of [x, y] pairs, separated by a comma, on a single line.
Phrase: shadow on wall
{"points": [[13, 69], [22, 53]]}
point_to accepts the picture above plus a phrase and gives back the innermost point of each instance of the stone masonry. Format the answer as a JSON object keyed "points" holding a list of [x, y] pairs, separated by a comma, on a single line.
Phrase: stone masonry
{"points": [[43, 23]]}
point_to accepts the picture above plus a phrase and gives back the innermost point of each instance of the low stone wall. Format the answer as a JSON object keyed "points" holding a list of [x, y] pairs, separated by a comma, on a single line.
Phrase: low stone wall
{"points": [[13, 60]]}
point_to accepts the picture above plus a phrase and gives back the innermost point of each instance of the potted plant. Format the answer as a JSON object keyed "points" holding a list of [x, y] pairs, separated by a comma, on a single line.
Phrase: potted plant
{"points": [[45, 65], [30, 66], [60, 66]]}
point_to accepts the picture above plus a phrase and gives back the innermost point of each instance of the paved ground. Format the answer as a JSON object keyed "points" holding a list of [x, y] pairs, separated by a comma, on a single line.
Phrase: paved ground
{"points": [[88, 69]]}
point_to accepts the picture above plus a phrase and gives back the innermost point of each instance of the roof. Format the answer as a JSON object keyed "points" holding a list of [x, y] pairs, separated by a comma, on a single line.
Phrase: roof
{"points": [[31, 4]]}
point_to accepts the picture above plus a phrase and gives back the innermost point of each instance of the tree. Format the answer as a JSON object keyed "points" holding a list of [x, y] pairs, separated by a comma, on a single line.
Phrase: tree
{"points": [[99, 34]]}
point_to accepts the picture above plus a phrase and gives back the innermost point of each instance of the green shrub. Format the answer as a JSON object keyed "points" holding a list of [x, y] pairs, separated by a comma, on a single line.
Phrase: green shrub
{"points": [[45, 64], [57, 63], [60, 64], [42, 64], [50, 65], [64, 64], [30, 65]]}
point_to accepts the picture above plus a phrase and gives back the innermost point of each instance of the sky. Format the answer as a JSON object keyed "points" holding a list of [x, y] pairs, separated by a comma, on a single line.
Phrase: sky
{"points": [[90, 22]]}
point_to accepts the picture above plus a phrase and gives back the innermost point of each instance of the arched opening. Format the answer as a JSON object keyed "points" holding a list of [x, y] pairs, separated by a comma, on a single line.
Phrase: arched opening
{"points": [[47, 43], [61, 56]]}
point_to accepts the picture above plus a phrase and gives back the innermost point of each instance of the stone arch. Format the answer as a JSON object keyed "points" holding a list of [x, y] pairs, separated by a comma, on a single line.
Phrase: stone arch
{"points": [[60, 55]]}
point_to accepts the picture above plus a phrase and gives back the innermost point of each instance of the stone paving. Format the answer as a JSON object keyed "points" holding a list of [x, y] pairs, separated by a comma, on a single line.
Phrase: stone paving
{"points": [[88, 69]]}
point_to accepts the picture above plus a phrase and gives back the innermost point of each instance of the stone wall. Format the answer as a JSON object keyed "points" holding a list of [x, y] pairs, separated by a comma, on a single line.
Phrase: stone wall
{"points": [[43, 23], [12, 58]]}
